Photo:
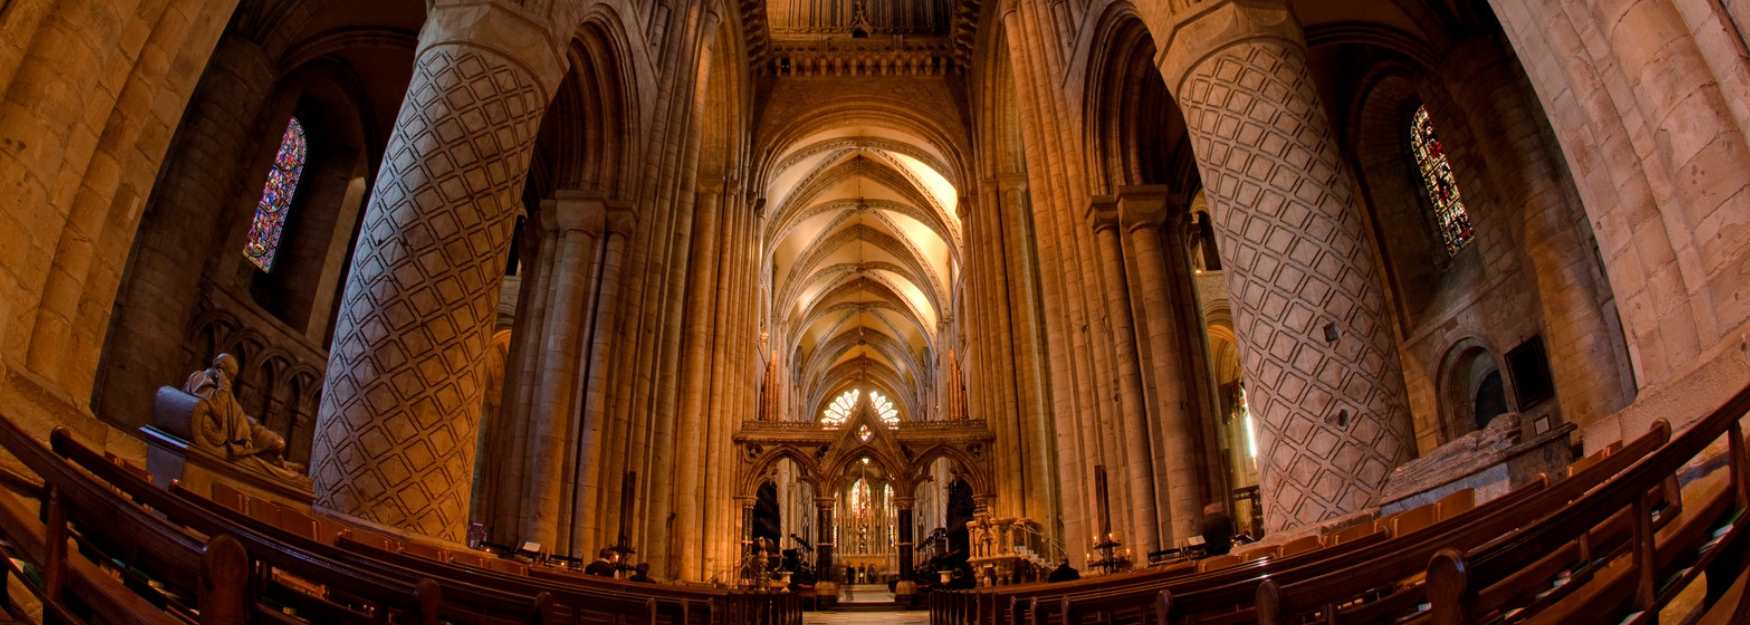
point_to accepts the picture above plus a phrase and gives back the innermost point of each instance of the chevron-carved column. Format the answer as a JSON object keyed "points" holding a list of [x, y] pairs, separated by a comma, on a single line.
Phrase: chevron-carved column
{"points": [[1322, 373], [395, 437]]}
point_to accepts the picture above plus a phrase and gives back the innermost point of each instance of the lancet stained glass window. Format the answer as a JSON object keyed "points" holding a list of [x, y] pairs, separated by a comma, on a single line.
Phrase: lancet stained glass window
{"points": [[276, 197], [1450, 217]]}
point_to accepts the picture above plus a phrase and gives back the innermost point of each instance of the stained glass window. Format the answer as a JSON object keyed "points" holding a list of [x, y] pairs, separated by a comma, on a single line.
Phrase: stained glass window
{"points": [[1450, 217], [840, 409], [276, 197], [884, 408], [861, 498]]}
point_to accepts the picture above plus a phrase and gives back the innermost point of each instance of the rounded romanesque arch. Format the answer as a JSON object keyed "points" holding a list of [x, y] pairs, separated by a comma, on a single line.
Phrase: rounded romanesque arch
{"points": [[1473, 388]]}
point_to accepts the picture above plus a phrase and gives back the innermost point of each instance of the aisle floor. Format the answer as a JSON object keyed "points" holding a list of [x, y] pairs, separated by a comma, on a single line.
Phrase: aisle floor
{"points": [[909, 617]]}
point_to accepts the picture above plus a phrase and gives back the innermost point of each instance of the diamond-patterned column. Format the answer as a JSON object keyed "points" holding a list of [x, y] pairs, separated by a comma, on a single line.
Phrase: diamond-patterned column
{"points": [[1322, 373], [400, 406]]}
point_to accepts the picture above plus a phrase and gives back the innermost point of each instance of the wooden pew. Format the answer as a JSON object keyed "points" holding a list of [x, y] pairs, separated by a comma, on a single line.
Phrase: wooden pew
{"points": [[1215, 598], [101, 599], [1376, 574], [1387, 585], [608, 598], [1708, 535], [192, 575], [382, 590]]}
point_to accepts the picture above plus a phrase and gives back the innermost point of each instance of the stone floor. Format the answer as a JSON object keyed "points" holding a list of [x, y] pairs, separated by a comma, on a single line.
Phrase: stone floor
{"points": [[865, 593], [910, 617]]}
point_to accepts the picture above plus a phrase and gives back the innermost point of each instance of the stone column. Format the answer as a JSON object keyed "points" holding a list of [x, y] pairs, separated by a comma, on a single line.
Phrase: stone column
{"points": [[905, 506], [572, 225], [823, 543], [593, 481], [1132, 410], [746, 504], [1146, 220], [1314, 332], [396, 432]]}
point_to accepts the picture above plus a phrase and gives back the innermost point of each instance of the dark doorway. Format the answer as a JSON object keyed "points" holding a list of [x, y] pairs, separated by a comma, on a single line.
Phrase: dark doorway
{"points": [[1490, 400], [767, 522], [960, 510]]}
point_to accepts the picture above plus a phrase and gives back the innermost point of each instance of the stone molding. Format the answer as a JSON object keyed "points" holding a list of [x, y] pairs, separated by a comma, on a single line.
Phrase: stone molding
{"points": [[1146, 206], [522, 39], [575, 211], [622, 217], [1102, 212], [1201, 31]]}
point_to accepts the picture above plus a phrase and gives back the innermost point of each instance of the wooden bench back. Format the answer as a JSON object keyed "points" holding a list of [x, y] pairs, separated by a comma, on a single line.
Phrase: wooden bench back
{"points": [[1693, 535]]}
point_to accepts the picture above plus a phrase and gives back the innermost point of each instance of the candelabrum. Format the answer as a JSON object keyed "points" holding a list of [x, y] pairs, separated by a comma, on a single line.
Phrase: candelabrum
{"points": [[757, 572], [1113, 556]]}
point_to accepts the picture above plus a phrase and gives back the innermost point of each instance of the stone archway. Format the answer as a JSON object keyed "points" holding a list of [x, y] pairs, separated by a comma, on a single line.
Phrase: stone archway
{"points": [[827, 454]]}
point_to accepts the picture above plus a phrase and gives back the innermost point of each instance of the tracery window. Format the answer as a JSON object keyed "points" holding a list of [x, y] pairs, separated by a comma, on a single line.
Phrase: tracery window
{"points": [[1450, 217], [840, 409], [884, 408], [276, 197]]}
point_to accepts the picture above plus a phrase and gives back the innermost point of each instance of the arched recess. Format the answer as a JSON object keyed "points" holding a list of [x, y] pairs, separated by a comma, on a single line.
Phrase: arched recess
{"points": [[1416, 265], [584, 150], [1530, 247], [302, 287], [187, 264], [1137, 131], [1473, 388], [1140, 155]]}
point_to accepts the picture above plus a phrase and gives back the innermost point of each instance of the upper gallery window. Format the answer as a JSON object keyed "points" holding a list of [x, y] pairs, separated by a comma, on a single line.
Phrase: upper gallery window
{"points": [[1450, 217], [884, 408], [840, 409], [276, 197]]}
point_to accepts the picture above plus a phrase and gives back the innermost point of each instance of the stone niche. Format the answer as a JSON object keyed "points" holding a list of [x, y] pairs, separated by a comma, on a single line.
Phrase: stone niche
{"points": [[1493, 461]]}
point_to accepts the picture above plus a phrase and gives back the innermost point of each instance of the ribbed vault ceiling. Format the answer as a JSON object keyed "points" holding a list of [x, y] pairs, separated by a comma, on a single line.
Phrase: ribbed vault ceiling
{"points": [[863, 244]]}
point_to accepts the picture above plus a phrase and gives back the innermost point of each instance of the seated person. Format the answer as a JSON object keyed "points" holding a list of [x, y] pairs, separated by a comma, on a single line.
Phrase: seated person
{"points": [[1218, 530], [1063, 573], [641, 573], [603, 566]]}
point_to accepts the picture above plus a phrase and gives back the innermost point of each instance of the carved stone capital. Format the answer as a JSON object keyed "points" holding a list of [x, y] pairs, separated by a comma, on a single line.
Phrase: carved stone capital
{"points": [[575, 211], [1203, 29], [905, 503], [1146, 206], [523, 38], [621, 218], [1102, 212]]}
